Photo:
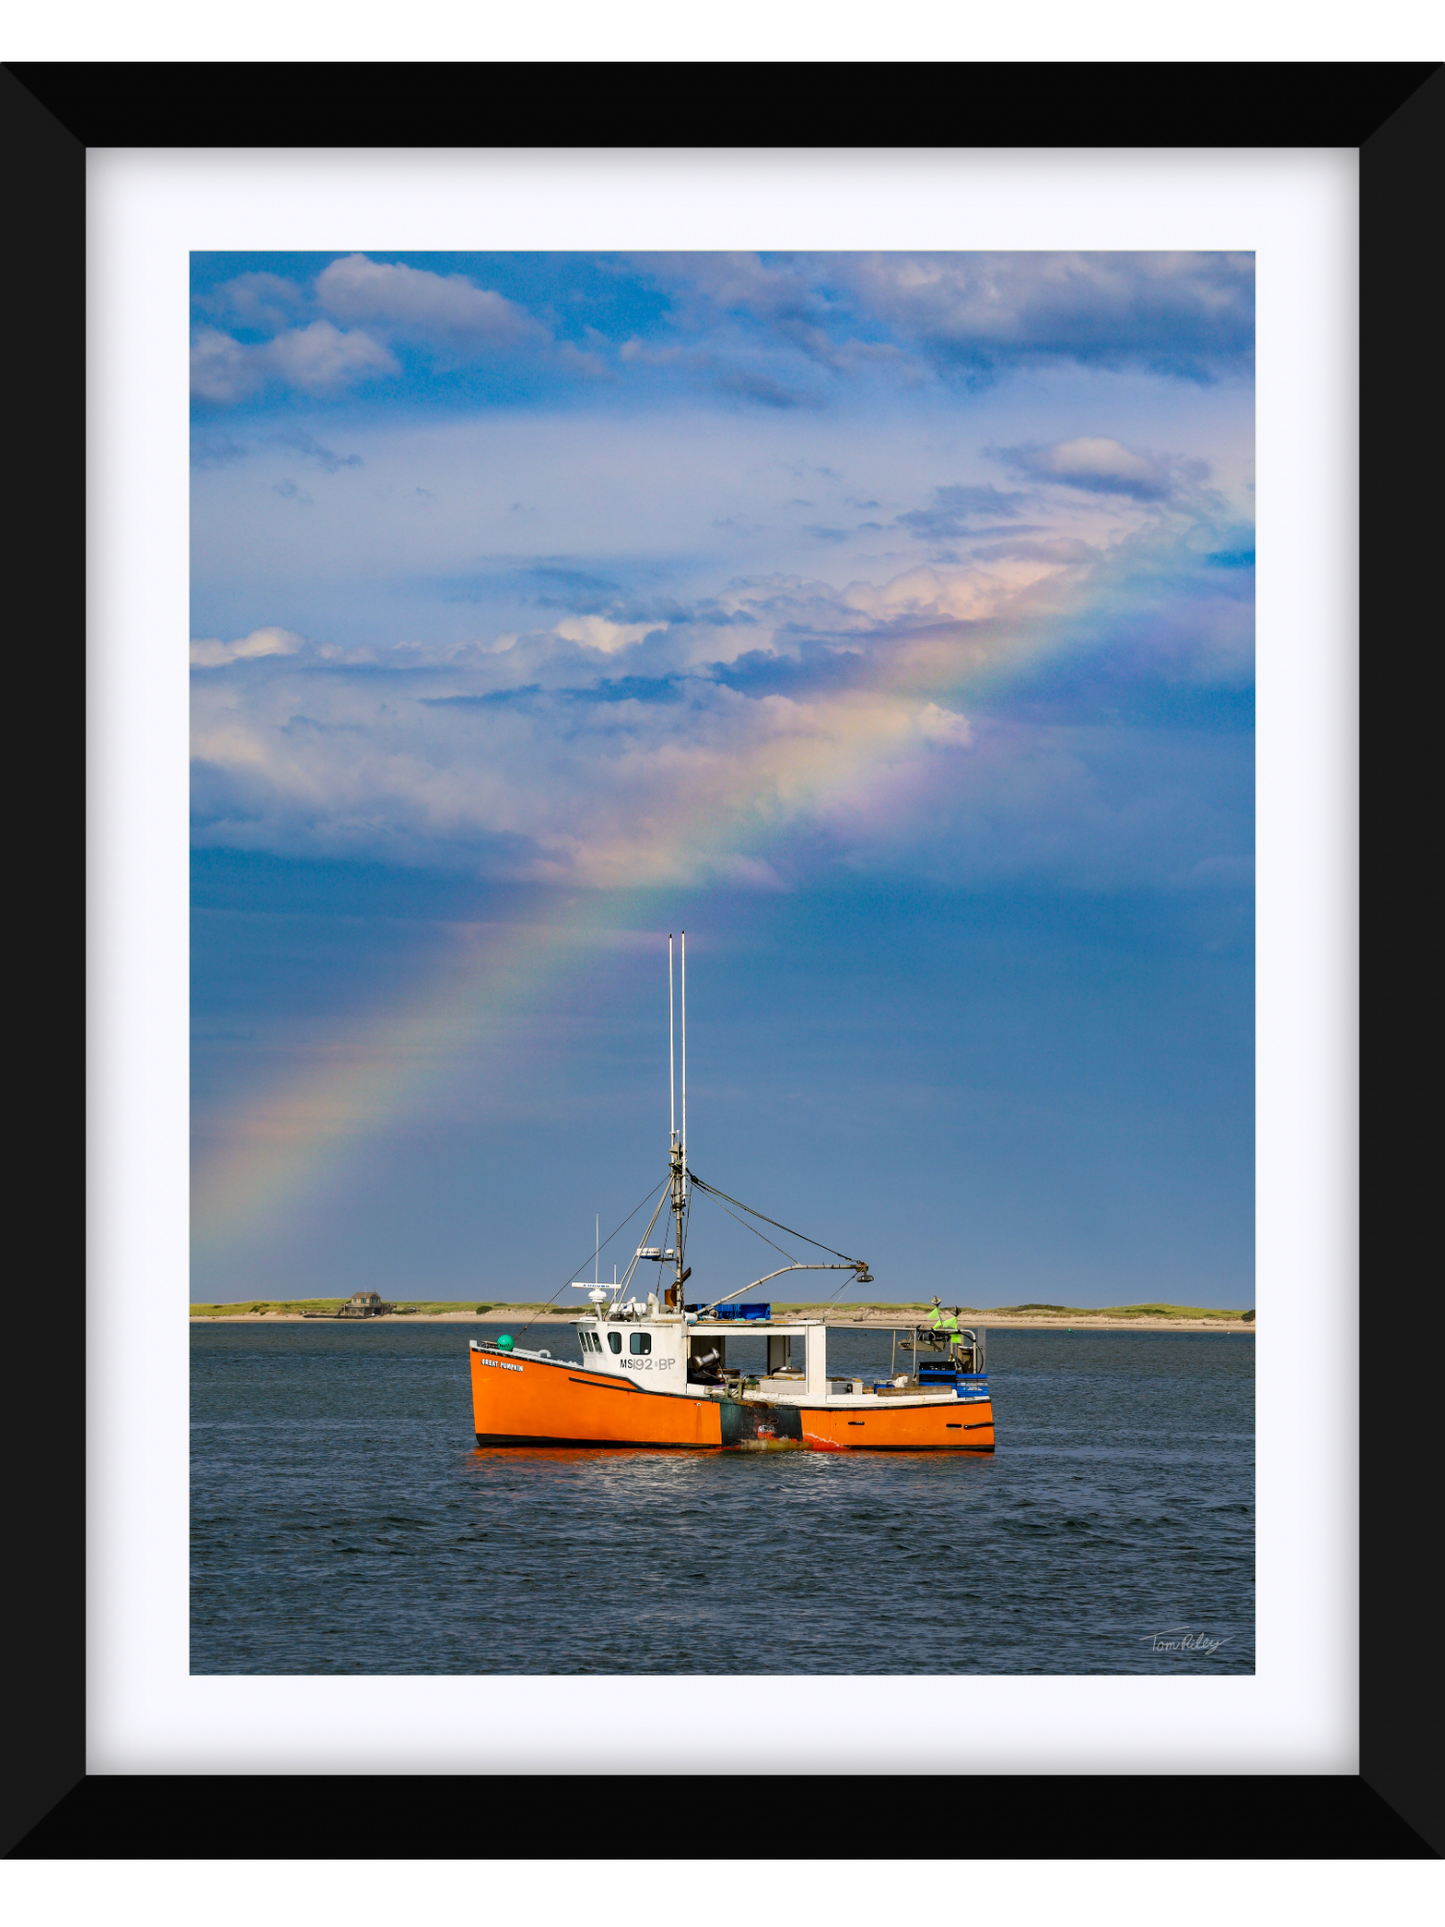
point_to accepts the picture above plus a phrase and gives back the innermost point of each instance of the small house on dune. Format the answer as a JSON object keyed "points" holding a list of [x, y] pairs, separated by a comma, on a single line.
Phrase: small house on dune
{"points": [[365, 1304]]}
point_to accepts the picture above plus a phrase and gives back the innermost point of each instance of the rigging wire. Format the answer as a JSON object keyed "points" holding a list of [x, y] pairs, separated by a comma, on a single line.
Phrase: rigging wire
{"points": [[713, 1191], [722, 1199], [758, 1234], [596, 1252], [834, 1296]]}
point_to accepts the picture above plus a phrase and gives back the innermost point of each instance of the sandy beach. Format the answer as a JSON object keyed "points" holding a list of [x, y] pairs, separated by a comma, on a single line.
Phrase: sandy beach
{"points": [[842, 1320]]}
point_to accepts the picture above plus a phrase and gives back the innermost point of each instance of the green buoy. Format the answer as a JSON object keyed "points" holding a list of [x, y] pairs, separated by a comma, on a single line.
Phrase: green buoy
{"points": [[505, 1342]]}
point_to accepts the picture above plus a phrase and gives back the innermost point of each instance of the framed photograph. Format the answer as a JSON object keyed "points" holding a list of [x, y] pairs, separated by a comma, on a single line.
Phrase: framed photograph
{"points": [[500, 561]]}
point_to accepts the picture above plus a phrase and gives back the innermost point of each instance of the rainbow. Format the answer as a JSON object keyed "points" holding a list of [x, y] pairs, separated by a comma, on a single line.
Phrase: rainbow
{"points": [[284, 1142], [715, 814]]}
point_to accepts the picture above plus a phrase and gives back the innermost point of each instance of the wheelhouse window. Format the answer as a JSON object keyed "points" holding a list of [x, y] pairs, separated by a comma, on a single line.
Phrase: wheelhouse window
{"points": [[614, 1339], [639, 1343]]}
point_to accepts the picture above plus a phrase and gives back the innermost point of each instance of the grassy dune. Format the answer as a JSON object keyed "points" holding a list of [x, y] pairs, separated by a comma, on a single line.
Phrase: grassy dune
{"points": [[1038, 1310], [917, 1309], [1125, 1311], [249, 1306]]}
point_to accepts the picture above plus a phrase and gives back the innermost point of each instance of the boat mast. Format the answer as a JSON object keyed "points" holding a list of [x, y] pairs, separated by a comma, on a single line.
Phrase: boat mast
{"points": [[677, 1153], [679, 1176]]}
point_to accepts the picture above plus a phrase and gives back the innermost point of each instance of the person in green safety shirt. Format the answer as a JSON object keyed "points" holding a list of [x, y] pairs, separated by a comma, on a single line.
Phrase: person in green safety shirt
{"points": [[945, 1321], [960, 1347]]}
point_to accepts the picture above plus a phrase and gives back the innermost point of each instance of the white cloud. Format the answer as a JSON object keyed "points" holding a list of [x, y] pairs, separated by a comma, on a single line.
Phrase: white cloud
{"points": [[595, 632], [535, 761], [581, 361], [1184, 315], [719, 783], [322, 357], [936, 725], [255, 301], [526, 760], [449, 305], [223, 369], [1095, 462], [318, 359], [212, 654]]}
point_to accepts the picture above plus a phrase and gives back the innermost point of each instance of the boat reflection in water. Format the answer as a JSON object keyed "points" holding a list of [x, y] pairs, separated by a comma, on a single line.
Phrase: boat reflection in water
{"points": [[654, 1371]]}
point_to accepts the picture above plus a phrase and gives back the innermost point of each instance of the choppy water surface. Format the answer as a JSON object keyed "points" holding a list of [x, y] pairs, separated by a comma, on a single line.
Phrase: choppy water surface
{"points": [[344, 1521]]}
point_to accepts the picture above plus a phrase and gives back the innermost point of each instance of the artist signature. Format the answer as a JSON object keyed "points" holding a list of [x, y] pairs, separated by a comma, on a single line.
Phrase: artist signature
{"points": [[1179, 1639]]}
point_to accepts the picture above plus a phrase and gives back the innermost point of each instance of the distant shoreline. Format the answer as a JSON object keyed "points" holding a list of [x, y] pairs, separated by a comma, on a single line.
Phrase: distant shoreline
{"points": [[1226, 1324]]}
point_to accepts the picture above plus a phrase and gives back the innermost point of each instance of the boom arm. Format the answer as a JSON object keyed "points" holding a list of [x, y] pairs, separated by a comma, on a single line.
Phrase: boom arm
{"points": [[865, 1277]]}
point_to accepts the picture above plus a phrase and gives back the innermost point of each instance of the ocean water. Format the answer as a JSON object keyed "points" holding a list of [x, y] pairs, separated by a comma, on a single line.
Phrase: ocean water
{"points": [[343, 1520]]}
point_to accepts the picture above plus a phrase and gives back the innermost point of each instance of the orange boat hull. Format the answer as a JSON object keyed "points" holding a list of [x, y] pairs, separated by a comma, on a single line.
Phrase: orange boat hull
{"points": [[547, 1402], [534, 1402], [900, 1428]]}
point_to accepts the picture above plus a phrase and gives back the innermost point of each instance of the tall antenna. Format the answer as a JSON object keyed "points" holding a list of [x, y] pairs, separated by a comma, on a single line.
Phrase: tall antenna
{"points": [[676, 1156], [671, 1072]]}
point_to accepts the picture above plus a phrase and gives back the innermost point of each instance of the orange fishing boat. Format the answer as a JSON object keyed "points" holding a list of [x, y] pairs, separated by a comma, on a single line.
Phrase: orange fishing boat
{"points": [[654, 1371]]}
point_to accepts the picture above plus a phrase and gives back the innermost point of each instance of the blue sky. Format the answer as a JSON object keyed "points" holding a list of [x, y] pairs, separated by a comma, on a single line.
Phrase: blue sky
{"points": [[887, 621]]}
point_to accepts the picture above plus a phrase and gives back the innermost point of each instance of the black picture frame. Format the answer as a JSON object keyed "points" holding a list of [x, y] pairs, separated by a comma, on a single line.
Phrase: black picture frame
{"points": [[1394, 114]]}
